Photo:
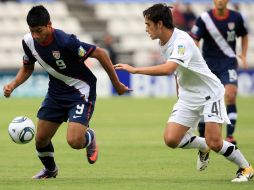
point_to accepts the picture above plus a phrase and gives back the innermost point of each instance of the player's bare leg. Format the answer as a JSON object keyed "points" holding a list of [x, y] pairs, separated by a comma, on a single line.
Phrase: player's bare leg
{"points": [[177, 135], [230, 99], [45, 131], [229, 151], [79, 137]]}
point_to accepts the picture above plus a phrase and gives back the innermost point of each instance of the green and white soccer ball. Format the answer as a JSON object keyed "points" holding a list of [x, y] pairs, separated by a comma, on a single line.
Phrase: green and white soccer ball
{"points": [[21, 130]]}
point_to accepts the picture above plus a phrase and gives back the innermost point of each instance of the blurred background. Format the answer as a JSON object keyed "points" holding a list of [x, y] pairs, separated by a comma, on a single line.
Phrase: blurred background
{"points": [[116, 25]]}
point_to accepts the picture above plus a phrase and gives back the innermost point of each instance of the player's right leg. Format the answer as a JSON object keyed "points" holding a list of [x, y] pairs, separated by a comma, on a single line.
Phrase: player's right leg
{"points": [[201, 128], [176, 136], [178, 133], [45, 149], [230, 99], [50, 115], [203, 157]]}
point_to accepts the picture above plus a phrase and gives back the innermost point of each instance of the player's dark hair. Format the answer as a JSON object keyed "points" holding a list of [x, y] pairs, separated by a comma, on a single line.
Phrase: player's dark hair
{"points": [[160, 12], [38, 16]]}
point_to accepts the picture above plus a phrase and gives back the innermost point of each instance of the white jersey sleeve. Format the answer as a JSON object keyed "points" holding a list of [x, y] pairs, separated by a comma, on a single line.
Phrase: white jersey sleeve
{"points": [[182, 53]]}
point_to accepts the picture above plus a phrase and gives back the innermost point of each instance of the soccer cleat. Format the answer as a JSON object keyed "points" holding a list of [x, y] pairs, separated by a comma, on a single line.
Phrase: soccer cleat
{"points": [[203, 160], [231, 140], [45, 174], [92, 151], [244, 174]]}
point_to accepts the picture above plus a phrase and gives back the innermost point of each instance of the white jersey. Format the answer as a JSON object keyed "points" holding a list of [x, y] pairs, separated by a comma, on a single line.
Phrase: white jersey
{"points": [[197, 84]]}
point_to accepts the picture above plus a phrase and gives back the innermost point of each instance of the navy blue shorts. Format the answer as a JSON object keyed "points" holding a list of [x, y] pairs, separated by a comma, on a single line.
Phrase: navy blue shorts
{"points": [[225, 69], [59, 111]]}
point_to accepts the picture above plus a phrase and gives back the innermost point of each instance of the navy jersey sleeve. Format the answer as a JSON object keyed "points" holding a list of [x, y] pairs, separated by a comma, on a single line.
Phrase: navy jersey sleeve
{"points": [[28, 57], [198, 30], [241, 29], [80, 50]]}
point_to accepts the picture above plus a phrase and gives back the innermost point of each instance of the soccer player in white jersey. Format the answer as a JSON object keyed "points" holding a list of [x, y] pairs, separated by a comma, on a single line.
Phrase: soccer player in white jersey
{"points": [[200, 93]]}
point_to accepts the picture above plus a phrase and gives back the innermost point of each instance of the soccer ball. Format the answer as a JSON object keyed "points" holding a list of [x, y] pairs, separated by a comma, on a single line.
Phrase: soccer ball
{"points": [[21, 130]]}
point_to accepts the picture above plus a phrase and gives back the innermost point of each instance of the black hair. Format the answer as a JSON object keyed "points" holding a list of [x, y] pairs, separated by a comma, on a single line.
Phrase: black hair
{"points": [[38, 16], [160, 12]]}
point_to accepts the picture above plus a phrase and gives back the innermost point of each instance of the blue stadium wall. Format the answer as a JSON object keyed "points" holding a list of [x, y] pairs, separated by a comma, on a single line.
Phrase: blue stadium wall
{"points": [[142, 85]]}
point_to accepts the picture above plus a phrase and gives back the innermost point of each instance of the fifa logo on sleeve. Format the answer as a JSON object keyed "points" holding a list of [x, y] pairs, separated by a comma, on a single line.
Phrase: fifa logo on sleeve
{"points": [[181, 50], [81, 51]]}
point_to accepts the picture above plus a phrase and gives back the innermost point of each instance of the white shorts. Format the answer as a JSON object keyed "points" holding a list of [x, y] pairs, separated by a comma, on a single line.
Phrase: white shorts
{"points": [[189, 116]]}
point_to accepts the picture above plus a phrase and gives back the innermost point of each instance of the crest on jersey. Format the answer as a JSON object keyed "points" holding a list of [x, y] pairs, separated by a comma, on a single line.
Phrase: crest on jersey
{"points": [[81, 51], [231, 25], [56, 54], [181, 50]]}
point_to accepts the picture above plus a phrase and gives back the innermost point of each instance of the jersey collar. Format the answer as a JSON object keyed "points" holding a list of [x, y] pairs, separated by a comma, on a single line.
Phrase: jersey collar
{"points": [[218, 17]]}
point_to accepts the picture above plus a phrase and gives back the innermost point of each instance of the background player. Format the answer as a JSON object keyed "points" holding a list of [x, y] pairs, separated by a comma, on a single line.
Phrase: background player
{"points": [[219, 51], [200, 93], [72, 87]]}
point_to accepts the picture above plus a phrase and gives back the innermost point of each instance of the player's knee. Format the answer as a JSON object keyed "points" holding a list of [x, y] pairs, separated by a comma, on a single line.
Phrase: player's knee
{"points": [[170, 142], [215, 145], [76, 143], [230, 98], [41, 141]]}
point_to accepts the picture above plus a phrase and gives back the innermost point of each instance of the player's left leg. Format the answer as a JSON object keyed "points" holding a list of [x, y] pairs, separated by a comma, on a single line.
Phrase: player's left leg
{"points": [[79, 136], [229, 151], [230, 99], [215, 114]]}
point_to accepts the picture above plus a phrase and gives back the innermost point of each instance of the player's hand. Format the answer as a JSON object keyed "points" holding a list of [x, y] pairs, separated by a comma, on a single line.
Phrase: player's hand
{"points": [[243, 60], [126, 67], [122, 89], [8, 90]]}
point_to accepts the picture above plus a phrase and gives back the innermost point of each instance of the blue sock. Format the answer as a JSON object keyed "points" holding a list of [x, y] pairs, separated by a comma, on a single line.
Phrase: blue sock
{"points": [[46, 156], [201, 129], [89, 137], [232, 115]]}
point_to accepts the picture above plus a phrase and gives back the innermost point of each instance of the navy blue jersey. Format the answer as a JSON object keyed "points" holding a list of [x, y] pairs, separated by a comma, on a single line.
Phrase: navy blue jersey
{"points": [[219, 35], [63, 59]]}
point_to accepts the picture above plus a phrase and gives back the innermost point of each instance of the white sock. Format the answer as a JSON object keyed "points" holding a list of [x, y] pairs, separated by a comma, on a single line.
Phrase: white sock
{"points": [[233, 154], [189, 141]]}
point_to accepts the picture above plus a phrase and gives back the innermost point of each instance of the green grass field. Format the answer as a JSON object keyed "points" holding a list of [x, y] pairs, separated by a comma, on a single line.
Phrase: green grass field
{"points": [[132, 152]]}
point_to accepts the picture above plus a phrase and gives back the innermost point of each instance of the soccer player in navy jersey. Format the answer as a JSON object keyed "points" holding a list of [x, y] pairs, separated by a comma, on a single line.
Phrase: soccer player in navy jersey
{"points": [[71, 94], [219, 29]]}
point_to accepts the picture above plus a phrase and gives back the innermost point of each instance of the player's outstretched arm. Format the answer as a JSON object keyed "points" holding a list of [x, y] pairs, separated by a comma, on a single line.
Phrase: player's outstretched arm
{"points": [[157, 70], [106, 63], [23, 74], [243, 55]]}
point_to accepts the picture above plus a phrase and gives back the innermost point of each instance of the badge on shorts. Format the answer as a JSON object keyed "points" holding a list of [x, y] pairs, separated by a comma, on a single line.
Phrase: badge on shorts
{"points": [[25, 58], [181, 50], [56, 54], [81, 51]]}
